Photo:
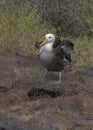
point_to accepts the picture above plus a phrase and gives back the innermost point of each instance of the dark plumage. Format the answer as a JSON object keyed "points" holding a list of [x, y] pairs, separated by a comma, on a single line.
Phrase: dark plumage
{"points": [[37, 44]]}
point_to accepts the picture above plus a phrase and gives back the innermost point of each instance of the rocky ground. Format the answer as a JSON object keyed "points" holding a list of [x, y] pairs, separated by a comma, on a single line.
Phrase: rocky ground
{"points": [[27, 102]]}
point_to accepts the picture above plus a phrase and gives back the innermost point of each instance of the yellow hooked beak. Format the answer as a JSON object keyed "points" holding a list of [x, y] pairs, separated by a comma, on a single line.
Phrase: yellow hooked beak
{"points": [[44, 42]]}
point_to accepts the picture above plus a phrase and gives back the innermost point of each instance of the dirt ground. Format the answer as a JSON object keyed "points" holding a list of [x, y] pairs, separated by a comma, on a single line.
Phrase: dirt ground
{"points": [[28, 102]]}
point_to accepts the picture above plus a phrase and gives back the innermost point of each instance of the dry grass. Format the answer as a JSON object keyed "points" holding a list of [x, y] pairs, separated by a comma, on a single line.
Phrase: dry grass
{"points": [[83, 54]]}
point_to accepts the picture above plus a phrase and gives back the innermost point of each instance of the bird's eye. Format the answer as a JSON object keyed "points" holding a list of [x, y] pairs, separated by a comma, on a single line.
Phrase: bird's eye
{"points": [[49, 37]]}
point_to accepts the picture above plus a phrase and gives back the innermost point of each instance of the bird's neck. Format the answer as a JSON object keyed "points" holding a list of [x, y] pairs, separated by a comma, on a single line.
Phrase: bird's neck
{"points": [[49, 47]]}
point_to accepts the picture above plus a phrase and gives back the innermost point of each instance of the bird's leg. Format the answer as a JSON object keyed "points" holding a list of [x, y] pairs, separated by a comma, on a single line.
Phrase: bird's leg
{"points": [[46, 73], [60, 77]]}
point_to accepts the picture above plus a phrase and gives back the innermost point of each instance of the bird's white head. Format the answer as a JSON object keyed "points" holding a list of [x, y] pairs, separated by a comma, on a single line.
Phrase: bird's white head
{"points": [[49, 38]]}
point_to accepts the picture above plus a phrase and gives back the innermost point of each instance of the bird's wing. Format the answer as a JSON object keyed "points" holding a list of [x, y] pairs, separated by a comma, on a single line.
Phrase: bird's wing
{"points": [[63, 49], [57, 42], [37, 44], [59, 54], [67, 47]]}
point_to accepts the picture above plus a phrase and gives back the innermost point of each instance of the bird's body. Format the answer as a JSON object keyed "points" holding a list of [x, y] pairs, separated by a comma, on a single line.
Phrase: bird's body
{"points": [[50, 60], [52, 53]]}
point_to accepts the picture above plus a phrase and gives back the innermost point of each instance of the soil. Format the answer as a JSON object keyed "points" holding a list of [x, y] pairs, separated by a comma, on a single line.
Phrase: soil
{"points": [[28, 102]]}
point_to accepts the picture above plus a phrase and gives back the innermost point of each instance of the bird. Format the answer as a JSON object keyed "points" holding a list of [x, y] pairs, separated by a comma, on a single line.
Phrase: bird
{"points": [[53, 52]]}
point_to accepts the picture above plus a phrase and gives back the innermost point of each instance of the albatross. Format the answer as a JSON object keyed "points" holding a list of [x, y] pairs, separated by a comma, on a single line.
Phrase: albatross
{"points": [[53, 52]]}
